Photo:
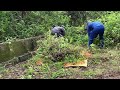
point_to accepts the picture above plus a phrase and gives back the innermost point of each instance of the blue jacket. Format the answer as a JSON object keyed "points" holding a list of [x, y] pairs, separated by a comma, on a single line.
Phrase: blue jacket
{"points": [[94, 29], [95, 26]]}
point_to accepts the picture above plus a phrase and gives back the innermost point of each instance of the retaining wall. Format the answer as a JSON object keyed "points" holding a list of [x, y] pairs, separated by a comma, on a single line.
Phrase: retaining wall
{"points": [[10, 50]]}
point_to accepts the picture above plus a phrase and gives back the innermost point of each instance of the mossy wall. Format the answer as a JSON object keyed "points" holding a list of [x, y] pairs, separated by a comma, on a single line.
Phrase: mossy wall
{"points": [[9, 50]]}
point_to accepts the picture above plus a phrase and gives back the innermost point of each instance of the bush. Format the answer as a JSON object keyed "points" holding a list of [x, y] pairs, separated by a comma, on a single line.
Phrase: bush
{"points": [[76, 35], [57, 49]]}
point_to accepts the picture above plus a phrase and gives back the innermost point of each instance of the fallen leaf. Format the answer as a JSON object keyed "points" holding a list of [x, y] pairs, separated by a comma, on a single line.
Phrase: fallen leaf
{"points": [[39, 62], [86, 54]]}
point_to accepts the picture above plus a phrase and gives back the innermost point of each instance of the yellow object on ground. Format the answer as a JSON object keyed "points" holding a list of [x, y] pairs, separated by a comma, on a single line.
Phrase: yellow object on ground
{"points": [[80, 63]]}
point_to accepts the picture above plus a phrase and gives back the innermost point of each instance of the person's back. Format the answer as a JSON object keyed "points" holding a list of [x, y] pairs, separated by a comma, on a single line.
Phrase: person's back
{"points": [[97, 25], [60, 31]]}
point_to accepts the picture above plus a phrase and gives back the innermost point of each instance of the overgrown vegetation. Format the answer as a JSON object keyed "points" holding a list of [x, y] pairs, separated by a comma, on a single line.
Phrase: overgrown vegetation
{"points": [[23, 24], [53, 52], [57, 49]]}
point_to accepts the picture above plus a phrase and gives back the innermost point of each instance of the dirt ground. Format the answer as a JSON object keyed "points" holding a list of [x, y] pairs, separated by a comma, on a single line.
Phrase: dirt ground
{"points": [[107, 67], [16, 72]]}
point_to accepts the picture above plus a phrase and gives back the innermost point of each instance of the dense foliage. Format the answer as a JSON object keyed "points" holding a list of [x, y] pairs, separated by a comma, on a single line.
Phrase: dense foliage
{"points": [[23, 24], [16, 24]]}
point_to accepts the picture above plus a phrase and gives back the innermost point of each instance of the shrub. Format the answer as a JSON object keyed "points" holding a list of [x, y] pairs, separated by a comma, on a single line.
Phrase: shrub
{"points": [[57, 49]]}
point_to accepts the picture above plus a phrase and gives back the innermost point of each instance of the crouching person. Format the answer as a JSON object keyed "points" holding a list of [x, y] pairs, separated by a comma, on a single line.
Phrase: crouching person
{"points": [[58, 30], [94, 29]]}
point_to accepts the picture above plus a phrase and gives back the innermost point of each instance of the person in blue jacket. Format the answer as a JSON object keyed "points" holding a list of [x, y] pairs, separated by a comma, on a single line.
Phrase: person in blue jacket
{"points": [[59, 30], [94, 29]]}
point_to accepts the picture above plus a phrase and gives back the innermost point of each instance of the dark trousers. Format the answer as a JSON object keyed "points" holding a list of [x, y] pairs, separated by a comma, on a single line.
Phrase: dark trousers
{"points": [[94, 33]]}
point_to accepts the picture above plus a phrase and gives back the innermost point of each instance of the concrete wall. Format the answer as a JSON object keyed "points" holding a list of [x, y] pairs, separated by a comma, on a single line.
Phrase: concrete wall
{"points": [[10, 50]]}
